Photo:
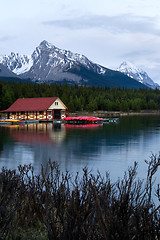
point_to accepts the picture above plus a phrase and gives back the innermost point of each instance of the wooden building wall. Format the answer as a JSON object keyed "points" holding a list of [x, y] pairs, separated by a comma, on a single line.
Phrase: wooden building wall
{"points": [[43, 115]]}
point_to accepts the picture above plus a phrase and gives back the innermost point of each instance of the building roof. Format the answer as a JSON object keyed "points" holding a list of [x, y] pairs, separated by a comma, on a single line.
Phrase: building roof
{"points": [[31, 104]]}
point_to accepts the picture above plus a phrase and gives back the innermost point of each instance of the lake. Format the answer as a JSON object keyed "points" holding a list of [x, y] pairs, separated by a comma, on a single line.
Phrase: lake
{"points": [[109, 147]]}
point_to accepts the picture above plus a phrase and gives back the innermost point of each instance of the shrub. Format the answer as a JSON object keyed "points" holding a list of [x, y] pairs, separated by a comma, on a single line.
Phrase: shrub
{"points": [[53, 205]]}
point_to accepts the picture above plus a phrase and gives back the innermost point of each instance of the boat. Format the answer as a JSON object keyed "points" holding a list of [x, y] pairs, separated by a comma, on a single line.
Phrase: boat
{"points": [[16, 121], [11, 120], [83, 120]]}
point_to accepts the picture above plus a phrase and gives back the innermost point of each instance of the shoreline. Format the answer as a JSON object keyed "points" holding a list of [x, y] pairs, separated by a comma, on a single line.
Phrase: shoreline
{"points": [[105, 114]]}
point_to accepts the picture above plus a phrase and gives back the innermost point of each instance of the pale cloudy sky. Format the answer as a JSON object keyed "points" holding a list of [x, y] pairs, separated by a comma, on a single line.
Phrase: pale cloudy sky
{"points": [[108, 32]]}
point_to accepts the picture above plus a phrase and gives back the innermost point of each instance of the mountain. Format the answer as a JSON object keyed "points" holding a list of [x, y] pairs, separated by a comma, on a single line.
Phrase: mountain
{"points": [[138, 74], [50, 64], [6, 74]]}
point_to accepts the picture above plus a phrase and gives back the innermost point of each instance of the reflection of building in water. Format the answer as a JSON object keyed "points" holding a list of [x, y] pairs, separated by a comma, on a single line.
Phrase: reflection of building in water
{"points": [[59, 133], [39, 133]]}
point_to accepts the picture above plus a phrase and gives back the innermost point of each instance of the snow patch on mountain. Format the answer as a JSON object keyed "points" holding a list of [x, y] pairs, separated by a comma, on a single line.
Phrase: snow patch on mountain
{"points": [[138, 74], [17, 63]]}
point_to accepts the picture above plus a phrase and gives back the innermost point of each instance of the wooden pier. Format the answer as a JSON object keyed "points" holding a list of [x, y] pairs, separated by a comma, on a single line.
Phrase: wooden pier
{"points": [[67, 120]]}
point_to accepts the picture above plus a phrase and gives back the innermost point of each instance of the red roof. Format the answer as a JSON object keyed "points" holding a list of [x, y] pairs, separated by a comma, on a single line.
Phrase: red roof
{"points": [[31, 104]]}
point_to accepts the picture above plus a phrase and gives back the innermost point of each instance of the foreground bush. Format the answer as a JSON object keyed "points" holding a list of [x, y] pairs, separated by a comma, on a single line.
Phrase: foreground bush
{"points": [[53, 205]]}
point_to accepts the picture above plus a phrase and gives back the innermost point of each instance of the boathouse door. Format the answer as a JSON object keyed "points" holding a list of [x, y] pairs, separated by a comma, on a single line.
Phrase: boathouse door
{"points": [[57, 114]]}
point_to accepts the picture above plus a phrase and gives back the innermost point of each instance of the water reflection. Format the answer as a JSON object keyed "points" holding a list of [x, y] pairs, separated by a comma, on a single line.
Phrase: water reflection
{"points": [[37, 133], [109, 147]]}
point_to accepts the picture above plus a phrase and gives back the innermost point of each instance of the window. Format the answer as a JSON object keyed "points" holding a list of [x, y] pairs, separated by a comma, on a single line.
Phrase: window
{"points": [[56, 103]]}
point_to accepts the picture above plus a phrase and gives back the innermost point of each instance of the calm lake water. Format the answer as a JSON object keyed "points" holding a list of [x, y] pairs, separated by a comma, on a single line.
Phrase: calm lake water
{"points": [[110, 147]]}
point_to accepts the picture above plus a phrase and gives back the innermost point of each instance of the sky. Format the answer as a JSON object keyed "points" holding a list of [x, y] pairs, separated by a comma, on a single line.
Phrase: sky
{"points": [[108, 32]]}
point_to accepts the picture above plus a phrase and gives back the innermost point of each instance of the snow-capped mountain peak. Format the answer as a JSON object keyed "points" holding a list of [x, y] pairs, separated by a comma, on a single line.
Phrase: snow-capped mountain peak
{"points": [[60, 56], [136, 73], [54, 61], [129, 67], [45, 44]]}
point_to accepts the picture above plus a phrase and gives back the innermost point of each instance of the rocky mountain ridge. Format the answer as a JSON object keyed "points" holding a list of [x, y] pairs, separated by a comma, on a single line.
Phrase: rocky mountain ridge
{"points": [[47, 62], [50, 64]]}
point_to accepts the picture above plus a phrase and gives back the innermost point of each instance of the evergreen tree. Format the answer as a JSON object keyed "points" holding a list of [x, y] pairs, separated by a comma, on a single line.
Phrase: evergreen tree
{"points": [[79, 98]]}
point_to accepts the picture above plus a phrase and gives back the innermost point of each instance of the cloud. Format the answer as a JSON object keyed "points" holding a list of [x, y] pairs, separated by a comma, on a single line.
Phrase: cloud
{"points": [[115, 24], [6, 38], [143, 53]]}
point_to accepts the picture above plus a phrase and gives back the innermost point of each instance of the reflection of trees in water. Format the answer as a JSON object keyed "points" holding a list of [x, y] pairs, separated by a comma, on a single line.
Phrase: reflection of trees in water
{"points": [[5, 138], [88, 142]]}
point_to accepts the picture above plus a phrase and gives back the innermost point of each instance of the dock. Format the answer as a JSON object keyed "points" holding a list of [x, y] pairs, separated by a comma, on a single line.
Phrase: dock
{"points": [[110, 120], [67, 120]]}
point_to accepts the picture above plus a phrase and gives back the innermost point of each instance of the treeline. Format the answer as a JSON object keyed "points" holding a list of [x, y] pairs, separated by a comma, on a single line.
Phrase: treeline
{"points": [[78, 98], [54, 205]]}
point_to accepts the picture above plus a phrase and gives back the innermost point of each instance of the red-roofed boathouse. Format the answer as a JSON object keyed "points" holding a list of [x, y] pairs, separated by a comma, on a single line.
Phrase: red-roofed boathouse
{"points": [[44, 108]]}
